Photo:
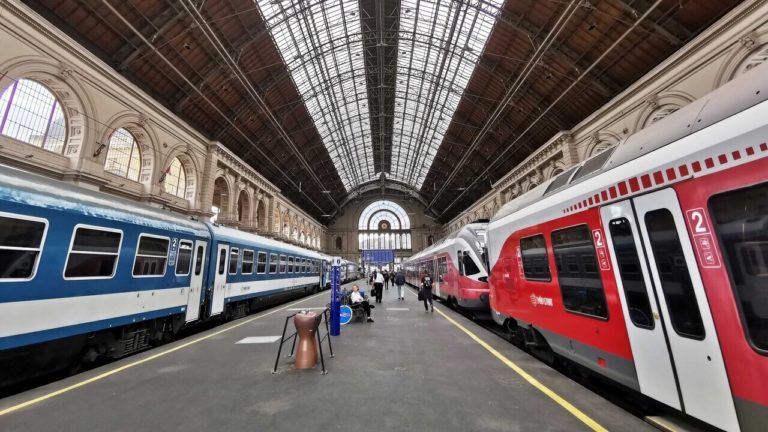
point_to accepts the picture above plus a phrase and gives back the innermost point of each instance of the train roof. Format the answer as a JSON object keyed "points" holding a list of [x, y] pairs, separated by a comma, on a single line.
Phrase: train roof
{"points": [[232, 234], [470, 228], [36, 190], [733, 97]]}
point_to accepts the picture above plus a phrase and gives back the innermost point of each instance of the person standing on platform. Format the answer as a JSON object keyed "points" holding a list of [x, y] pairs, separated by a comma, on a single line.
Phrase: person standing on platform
{"points": [[386, 280], [400, 281], [378, 285], [426, 292]]}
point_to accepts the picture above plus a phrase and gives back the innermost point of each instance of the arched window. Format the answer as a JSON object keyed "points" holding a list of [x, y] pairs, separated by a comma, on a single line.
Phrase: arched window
{"points": [[123, 156], [338, 242], [176, 179], [30, 113], [384, 225]]}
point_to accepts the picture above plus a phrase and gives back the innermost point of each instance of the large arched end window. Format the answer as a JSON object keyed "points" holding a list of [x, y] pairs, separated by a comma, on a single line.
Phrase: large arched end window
{"points": [[30, 113], [384, 225], [176, 179], [123, 156]]}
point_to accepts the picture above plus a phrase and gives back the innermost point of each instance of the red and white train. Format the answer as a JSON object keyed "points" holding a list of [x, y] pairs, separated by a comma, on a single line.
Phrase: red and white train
{"points": [[648, 263], [458, 264]]}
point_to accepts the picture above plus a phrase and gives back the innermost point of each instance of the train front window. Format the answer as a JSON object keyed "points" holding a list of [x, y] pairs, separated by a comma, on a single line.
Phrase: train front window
{"points": [[184, 259], [635, 291], [20, 244], [533, 252], [577, 274], [151, 256], [741, 223], [675, 277]]}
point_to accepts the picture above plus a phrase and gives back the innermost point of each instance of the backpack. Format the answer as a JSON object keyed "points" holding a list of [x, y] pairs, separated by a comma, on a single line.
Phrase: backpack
{"points": [[427, 282]]}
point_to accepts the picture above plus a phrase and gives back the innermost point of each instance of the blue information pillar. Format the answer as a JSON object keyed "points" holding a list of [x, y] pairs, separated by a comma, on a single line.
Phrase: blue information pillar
{"points": [[335, 296]]}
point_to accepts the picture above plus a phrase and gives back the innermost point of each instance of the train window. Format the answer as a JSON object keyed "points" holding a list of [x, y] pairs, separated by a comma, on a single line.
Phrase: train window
{"points": [[151, 256], [234, 258], [673, 271], [283, 264], [742, 227], [222, 261], [184, 258], [304, 268], [580, 284], [20, 244], [247, 262], [290, 264], [635, 291], [93, 253], [470, 268], [273, 263], [199, 260], [534, 255], [261, 264]]}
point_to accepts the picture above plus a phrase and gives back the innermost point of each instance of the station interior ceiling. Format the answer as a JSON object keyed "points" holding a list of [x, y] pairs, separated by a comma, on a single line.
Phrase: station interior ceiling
{"points": [[427, 99]]}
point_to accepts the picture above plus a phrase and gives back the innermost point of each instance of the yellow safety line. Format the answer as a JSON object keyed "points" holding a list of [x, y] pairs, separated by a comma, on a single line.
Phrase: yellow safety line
{"points": [[595, 426], [144, 360]]}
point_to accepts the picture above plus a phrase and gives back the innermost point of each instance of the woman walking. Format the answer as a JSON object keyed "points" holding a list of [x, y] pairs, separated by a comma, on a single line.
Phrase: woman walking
{"points": [[426, 292], [378, 285]]}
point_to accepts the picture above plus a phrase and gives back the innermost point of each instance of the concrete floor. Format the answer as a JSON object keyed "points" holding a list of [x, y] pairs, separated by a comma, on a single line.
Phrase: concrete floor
{"points": [[408, 371]]}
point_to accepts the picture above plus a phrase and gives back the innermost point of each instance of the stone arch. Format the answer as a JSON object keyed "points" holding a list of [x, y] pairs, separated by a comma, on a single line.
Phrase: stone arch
{"points": [[339, 242], [261, 215], [222, 191], [145, 138], [243, 208], [660, 106], [190, 169], [751, 51], [75, 102], [598, 142], [530, 186], [553, 169]]}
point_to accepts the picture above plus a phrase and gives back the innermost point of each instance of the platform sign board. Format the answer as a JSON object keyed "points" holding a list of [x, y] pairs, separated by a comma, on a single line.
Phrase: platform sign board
{"points": [[345, 315], [335, 296]]}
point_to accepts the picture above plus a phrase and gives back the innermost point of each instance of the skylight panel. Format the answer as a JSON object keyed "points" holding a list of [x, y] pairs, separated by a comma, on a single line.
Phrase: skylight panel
{"points": [[434, 66], [321, 45]]}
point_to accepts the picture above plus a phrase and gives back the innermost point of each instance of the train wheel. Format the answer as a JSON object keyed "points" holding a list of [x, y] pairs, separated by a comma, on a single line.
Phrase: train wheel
{"points": [[539, 347]]}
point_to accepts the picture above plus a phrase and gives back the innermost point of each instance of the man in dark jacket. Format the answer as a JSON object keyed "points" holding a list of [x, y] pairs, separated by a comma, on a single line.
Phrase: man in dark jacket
{"points": [[386, 279], [400, 281], [426, 291]]}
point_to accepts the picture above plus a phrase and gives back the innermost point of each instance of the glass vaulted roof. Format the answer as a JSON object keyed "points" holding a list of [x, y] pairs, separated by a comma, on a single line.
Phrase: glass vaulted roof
{"points": [[439, 43], [321, 44]]}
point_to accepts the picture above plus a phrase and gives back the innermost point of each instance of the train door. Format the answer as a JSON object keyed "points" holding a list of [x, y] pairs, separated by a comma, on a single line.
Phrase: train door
{"points": [[196, 283], [220, 280], [674, 343]]}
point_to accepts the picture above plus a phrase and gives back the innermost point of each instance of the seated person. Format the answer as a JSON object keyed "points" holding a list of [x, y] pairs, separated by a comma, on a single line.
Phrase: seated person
{"points": [[357, 298]]}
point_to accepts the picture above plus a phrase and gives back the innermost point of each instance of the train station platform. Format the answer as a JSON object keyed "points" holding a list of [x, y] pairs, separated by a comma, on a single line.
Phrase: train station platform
{"points": [[409, 371]]}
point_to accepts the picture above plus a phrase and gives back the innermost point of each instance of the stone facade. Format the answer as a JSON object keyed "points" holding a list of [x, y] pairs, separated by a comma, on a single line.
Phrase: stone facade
{"points": [[734, 44], [97, 101], [342, 237]]}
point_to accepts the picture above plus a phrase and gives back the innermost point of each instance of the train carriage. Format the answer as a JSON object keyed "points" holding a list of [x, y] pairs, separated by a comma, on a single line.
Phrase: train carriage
{"points": [[646, 263], [85, 275], [250, 270], [458, 266]]}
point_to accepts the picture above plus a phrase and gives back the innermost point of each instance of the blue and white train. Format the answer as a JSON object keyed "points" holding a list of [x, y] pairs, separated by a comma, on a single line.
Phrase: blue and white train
{"points": [[85, 275]]}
